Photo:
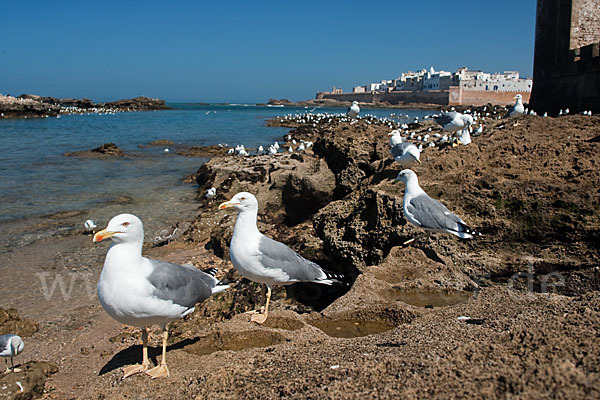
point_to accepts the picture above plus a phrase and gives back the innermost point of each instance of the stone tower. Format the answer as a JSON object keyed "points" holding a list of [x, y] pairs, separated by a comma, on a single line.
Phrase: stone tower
{"points": [[566, 65]]}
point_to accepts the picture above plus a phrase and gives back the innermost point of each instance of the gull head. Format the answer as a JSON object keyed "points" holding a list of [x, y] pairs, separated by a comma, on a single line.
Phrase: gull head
{"points": [[122, 228], [242, 201], [406, 175], [518, 97], [354, 103]]}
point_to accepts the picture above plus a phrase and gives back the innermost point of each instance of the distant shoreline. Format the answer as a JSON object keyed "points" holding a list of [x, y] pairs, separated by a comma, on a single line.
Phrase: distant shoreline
{"points": [[335, 103], [34, 106]]}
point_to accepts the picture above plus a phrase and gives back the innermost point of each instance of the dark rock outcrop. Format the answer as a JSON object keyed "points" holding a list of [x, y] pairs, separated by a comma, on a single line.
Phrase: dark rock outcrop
{"points": [[140, 103], [105, 150]]}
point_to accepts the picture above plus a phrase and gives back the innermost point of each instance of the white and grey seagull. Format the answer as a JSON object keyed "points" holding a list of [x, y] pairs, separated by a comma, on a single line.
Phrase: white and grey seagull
{"points": [[427, 213], [516, 109], [454, 121], [10, 346], [141, 292], [353, 110], [406, 154], [264, 260]]}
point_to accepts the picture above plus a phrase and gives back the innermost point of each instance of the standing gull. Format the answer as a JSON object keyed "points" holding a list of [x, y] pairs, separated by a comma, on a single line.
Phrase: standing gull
{"points": [[353, 110], [516, 109], [10, 346], [264, 260], [141, 292], [427, 213]]}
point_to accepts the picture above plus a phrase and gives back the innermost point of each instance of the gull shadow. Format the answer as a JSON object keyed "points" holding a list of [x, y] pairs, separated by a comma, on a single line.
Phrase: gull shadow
{"points": [[432, 255], [316, 295], [133, 355]]}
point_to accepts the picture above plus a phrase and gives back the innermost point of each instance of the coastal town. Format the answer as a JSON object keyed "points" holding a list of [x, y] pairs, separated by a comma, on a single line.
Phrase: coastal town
{"points": [[463, 87]]}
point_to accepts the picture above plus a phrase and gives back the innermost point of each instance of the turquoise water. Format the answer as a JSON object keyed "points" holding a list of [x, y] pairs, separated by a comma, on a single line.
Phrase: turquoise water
{"points": [[36, 179]]}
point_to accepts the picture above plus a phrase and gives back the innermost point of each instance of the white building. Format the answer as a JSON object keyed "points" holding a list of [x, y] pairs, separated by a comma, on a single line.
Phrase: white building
{"points": [[509, 81]]}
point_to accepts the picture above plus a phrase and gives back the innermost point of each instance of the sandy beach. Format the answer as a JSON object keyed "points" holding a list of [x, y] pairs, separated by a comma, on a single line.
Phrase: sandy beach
{"points": [[526, 291]]}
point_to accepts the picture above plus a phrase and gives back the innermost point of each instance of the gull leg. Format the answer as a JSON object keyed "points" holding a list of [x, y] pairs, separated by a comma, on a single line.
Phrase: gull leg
{"points": [[9, 369], [161, 371], [252, 312], [137, 368], [409, 241], [12, 364], [261, 318]]}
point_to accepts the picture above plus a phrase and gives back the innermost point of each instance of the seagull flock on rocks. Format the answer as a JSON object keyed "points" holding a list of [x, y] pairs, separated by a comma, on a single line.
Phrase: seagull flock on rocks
{"points": [[141, 292]]}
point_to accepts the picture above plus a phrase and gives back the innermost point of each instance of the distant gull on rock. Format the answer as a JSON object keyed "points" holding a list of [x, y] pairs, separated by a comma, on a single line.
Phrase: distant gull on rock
{"points": [[141, 292], [10, 346], [353, 110], [464, 137], [453, 121], [89, 226], [395, 137], [210, 193], [406, 154], [427, 213], [264, 260], [516, 109]]}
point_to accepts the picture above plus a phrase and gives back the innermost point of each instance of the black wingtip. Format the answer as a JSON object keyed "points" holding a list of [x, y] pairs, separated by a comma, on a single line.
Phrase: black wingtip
{"points": [[336, 278], [211, 271]]}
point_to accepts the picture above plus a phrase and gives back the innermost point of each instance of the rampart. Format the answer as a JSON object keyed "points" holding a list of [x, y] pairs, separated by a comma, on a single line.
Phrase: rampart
{"points": [[566, 69]]}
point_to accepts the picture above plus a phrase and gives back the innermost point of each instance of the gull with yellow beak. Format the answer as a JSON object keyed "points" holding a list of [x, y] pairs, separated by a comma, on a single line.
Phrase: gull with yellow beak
{"points": [[264, 260], [141, 292], [516, 109]]}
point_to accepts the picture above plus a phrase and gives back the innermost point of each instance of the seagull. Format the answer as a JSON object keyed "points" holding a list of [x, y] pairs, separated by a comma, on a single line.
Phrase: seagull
{"points": [[406, 154], [516, 109], [10, 346], [453, 121], [479, 130], [264, 260], [210, 193], [464, 137], [427, 213], [395, 137], [353, 110], [89, 225], [141, 292]]}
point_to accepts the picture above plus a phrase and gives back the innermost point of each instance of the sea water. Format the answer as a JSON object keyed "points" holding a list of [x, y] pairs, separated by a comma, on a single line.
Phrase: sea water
{"points": [[38, 180]]}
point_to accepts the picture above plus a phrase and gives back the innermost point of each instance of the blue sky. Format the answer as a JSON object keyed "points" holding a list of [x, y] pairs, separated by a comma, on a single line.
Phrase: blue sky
{"points": [[249, 51]]}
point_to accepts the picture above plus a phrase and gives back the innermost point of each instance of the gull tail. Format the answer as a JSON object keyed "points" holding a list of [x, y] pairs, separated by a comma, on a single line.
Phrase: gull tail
{"points": [[467, 232], [333, 278], [218, 286]]}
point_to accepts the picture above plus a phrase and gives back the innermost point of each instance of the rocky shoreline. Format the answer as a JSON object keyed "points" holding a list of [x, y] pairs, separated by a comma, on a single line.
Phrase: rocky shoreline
{"points": [[34, 106], [514, 313]]}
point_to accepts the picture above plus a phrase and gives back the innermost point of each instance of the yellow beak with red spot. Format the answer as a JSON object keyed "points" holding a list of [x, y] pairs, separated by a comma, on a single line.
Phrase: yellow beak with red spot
{"points": [[103, 234], [228, 204]]}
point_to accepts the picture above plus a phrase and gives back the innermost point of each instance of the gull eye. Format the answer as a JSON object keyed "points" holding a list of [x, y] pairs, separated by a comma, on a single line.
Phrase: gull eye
{"points": [[242, 198], [125, 224]]}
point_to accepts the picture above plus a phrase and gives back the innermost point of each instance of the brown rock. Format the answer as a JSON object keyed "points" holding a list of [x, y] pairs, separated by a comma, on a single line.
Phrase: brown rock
{"points": [[10, 322]]}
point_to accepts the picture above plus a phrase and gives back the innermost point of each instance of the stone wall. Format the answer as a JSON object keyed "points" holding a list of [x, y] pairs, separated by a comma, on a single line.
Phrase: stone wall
{"points": [[459, 96], [430, 97], [565, 75], [585, 23]]}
